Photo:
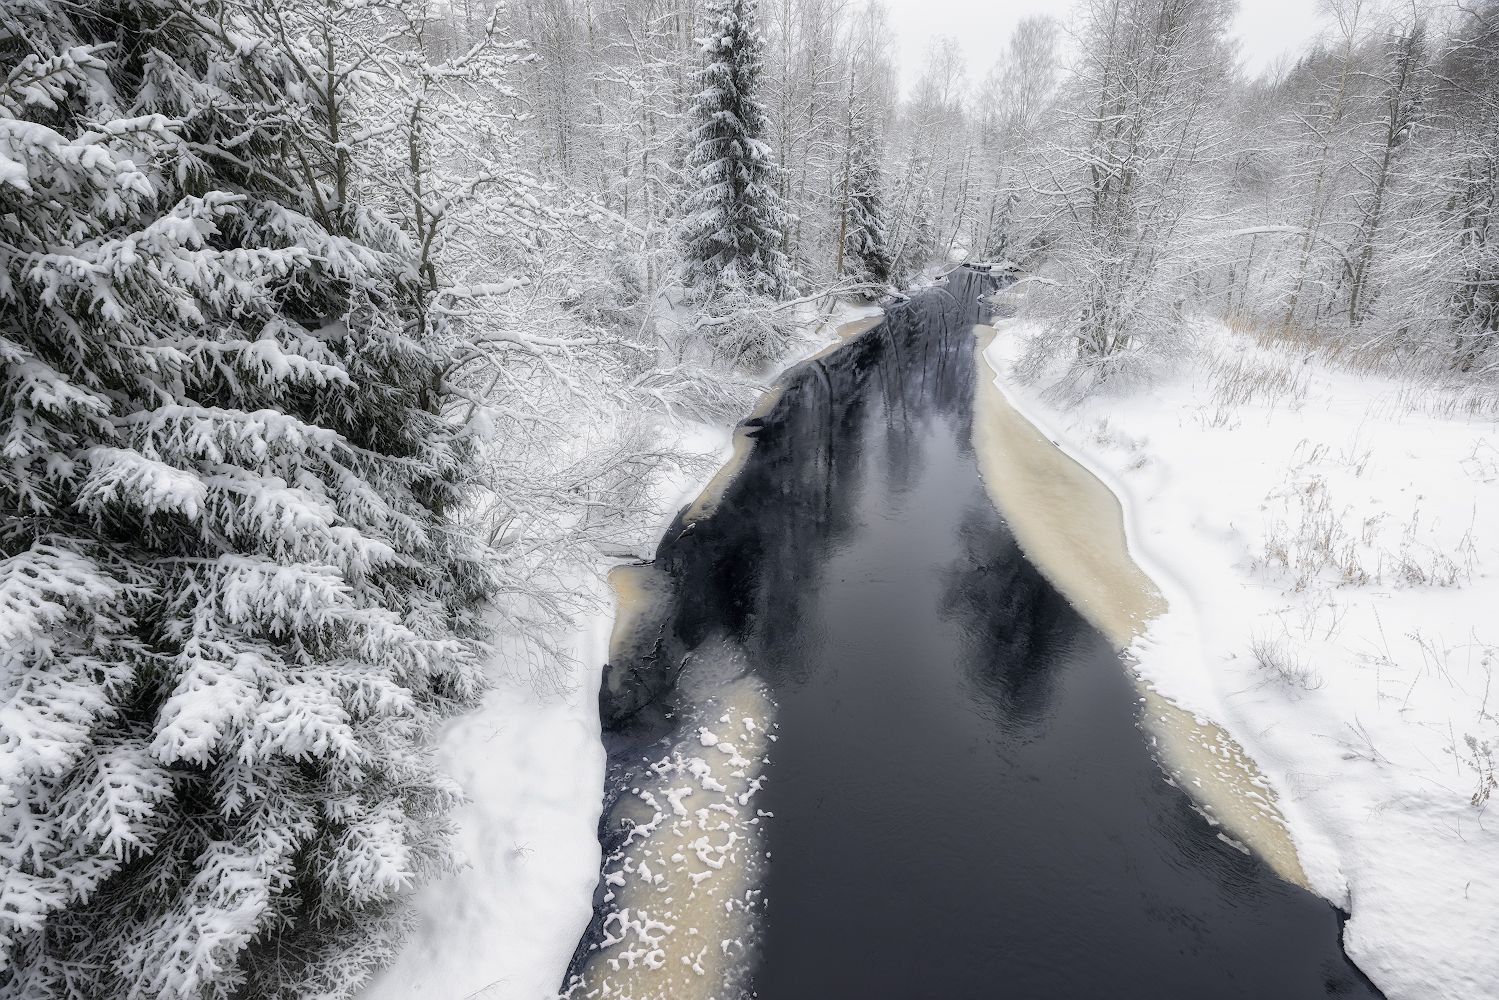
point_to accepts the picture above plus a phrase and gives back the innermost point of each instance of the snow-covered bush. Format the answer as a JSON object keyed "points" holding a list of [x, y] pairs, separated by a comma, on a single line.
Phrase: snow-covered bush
{"points": [[1141, 121], [742, 329], [231, 608]]}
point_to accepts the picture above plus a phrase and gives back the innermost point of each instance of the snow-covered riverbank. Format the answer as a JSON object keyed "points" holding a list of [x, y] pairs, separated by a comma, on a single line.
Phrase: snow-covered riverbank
{"points": [[1320, 537], [531, 764]]}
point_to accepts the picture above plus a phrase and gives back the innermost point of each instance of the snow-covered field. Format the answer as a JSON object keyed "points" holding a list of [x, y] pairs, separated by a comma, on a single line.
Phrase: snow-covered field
{"points": [[1327, 544], [531, 763]]}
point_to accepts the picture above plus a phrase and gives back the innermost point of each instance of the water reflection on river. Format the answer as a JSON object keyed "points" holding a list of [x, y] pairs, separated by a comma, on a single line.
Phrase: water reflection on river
{"points": [[936, 784]]}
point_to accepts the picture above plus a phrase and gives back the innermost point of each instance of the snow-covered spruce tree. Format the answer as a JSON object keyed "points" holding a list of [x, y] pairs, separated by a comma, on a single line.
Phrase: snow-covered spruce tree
{"points": [[919, 248], [733, 232], [230, 611], [865, 252]]}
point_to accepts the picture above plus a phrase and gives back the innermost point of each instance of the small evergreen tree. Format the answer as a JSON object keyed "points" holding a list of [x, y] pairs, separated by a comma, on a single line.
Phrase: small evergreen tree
{"points": [[732, 234], [921, 242], [231, 609], [866, 247], [999, 226]]}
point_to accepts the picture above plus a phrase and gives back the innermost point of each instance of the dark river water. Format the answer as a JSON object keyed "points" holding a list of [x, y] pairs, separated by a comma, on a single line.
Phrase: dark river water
{"points": [[961, 801]]}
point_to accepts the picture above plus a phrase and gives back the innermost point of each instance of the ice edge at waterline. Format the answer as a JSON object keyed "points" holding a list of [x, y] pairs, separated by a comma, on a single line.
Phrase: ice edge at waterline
{"points": [[1213, 767]]}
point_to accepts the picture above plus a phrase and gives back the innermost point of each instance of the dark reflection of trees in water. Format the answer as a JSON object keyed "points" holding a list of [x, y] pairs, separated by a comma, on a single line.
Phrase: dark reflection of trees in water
{"points": [[1011, 619], [1104, 851], [743, 568]]}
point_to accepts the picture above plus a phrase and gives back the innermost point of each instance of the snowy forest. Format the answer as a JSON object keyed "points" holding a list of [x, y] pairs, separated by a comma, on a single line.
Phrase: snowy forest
{"points": [[342, 342]]}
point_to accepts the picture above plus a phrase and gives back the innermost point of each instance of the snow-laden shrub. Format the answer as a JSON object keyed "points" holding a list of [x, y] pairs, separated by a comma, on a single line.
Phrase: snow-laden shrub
{"points": [[1054, 351], [742, 329], [231, 609], [1142, 124]]}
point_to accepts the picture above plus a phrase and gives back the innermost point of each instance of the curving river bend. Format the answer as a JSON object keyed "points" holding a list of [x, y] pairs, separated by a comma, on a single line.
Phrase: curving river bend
{"points": [[860, 747]]}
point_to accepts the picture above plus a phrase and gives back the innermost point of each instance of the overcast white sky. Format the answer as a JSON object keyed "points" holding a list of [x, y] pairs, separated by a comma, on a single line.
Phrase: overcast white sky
{"points": [[1267, 28]]}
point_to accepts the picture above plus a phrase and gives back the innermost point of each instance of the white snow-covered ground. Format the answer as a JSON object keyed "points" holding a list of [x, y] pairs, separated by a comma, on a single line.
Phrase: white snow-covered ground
{"points": [[1328, 543], [531, 762]]}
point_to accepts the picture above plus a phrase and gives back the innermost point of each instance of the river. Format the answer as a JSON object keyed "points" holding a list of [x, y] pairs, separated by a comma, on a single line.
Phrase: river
{"points": [[861, 747]]}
